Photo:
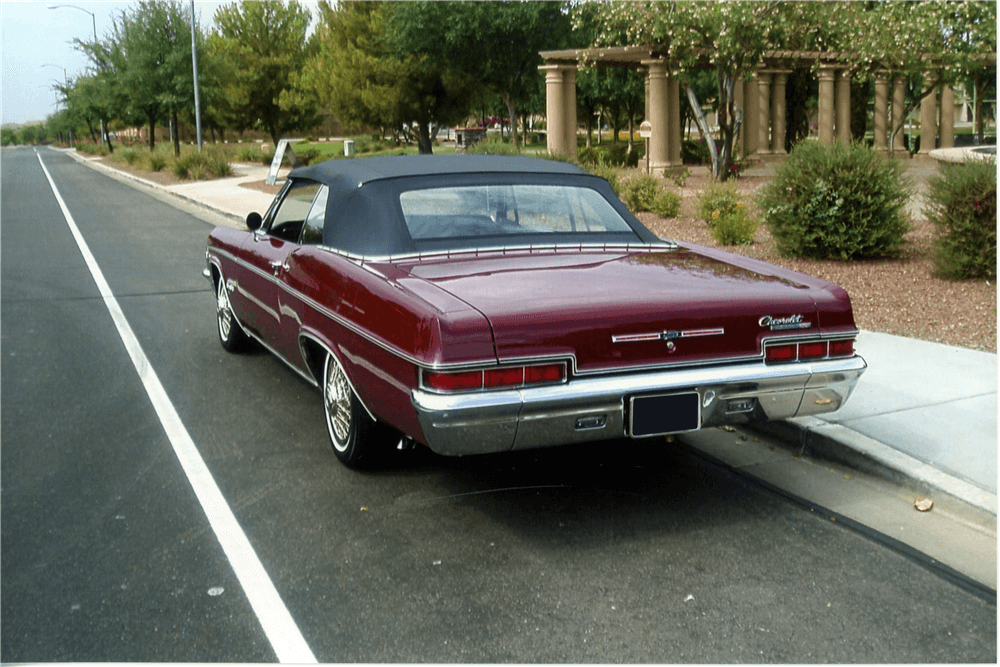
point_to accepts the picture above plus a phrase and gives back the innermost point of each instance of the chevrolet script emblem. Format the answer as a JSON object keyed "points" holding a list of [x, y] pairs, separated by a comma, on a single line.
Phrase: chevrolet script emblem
{"points": [[784, 323]]}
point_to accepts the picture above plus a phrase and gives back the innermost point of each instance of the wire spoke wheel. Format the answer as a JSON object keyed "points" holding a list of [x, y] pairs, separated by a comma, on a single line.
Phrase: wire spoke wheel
{"points": [[337, 402]]}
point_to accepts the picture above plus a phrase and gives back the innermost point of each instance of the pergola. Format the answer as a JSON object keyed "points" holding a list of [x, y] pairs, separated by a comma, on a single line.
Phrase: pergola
{"points": [[762, 100]]}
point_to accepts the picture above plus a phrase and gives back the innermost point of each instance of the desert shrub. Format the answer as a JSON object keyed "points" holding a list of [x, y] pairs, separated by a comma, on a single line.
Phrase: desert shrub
{"points": [[640, 192], [962, 205], [729, 221], [89, 148], [667, 204], [680, 178], [716, 202], [306, 155], [646, 193], [617, 154], [250, 153], [492, 146], [130, 156], [589, 155], [216, 163], [836, 201], [198, 166]]}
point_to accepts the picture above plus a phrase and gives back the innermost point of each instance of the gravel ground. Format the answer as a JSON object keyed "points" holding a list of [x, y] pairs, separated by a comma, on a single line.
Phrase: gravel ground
{"points": [[896, 296]]}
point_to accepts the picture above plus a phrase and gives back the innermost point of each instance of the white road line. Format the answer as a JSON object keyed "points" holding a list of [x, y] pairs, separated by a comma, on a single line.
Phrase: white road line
{"points": [[281, 631]]}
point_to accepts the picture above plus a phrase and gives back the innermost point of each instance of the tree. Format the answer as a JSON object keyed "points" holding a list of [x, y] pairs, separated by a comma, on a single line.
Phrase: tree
{"points": [[730, 37], [494, 43], [931, 42], [263, 48], [149, 63], [353, 75]]}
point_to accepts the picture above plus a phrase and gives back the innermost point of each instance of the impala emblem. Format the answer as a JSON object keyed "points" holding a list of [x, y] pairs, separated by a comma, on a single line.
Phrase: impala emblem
{"points": [[784, 323]]}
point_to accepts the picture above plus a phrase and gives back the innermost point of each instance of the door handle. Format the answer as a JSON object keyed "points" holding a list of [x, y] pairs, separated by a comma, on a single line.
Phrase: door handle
{"points": [[277, 265]]}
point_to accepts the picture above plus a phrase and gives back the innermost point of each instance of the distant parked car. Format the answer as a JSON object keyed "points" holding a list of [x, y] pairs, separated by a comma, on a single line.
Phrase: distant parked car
{"points": [[484, 304]]}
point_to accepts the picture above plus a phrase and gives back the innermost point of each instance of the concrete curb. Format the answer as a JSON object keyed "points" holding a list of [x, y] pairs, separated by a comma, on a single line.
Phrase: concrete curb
{"points": [[815, 438]]}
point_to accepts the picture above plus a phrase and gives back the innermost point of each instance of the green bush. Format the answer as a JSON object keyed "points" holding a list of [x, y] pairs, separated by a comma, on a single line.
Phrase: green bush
{"points": [[589, 156], [728, 219], [639, 193], [131, 156], [306, 155], [836, 201], [198, 166], [157, 163], [738, 228], [491, 146], [718, 201], [250, 153], [667, 204], [646, 193], [962, 205]]}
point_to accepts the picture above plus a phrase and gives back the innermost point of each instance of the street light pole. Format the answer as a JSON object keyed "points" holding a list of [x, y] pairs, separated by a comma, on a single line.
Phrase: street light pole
{"points": [[194, 65], [93, 21]]}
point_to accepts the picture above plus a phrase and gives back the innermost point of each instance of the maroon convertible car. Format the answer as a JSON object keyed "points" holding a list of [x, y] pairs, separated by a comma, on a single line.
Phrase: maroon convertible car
{"points": [[482, 304]]}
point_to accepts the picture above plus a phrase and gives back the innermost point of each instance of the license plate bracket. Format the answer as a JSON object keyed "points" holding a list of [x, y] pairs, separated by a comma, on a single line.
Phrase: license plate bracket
{"points": [[661, 414]]}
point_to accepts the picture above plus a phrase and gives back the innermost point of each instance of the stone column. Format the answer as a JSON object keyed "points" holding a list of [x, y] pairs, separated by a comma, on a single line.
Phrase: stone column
{"points": [[947, 121], [778, 113], [928, 121], [880, 123], [898, 109], [826, 78], [659, 155], [555, 132], [569, 110], [751, 112], [844, 106], [673, 120], [763, 113]]}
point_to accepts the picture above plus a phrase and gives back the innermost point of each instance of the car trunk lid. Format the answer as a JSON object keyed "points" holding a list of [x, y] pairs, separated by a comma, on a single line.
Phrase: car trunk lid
{"points": [[624, 309]]}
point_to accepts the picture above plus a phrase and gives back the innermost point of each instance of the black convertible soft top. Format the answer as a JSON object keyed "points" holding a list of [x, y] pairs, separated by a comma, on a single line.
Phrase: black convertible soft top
{"points": [[363, 215], [352, 173]]}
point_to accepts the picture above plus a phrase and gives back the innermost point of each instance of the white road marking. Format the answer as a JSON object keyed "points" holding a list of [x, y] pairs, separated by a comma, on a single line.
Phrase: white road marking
{"points": [[281, 631]]}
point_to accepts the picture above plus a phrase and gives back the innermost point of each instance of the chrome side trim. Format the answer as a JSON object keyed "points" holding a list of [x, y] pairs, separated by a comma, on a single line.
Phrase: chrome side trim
{"points": [[492, 250]]}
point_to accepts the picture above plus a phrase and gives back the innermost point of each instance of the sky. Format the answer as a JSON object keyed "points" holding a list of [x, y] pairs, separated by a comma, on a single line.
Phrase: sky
{"points": [[37, 49]]}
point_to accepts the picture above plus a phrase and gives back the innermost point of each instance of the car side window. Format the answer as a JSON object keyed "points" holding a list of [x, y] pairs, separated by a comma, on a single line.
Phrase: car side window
{"points": [[290, 217], [312, 231]]}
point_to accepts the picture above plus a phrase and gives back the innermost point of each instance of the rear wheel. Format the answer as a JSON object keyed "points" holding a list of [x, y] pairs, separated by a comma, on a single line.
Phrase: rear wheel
{"points": [[356, 438], [231, 334]]}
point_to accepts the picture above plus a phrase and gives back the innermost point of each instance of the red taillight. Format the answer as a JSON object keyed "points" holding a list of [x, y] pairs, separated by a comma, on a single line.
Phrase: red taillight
{"points": [[808, 351], [780, 353], [453, 381], [504, 377], [812, 351], [545, 374], [842, 348]]}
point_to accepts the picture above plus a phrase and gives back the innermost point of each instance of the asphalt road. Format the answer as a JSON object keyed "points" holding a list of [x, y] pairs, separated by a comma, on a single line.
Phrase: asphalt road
{"points": [[617, 552]]}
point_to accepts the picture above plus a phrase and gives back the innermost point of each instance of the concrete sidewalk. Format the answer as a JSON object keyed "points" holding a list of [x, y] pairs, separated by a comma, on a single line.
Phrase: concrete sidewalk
{"points": [[923, 412]]}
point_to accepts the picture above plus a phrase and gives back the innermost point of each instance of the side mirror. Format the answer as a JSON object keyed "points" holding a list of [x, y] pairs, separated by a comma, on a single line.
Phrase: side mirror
{"points": [[254, 221]]}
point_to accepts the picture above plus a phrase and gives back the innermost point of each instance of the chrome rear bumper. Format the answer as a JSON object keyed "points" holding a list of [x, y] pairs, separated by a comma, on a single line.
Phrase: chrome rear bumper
{"points": [[587, 409]]}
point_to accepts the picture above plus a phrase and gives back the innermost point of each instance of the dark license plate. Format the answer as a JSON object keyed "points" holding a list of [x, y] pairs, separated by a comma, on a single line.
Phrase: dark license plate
{"points": [[670, 413]]}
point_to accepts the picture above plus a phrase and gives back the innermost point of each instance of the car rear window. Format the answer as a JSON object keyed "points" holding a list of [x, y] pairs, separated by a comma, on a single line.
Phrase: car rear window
{"points": [[502, 210]]}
